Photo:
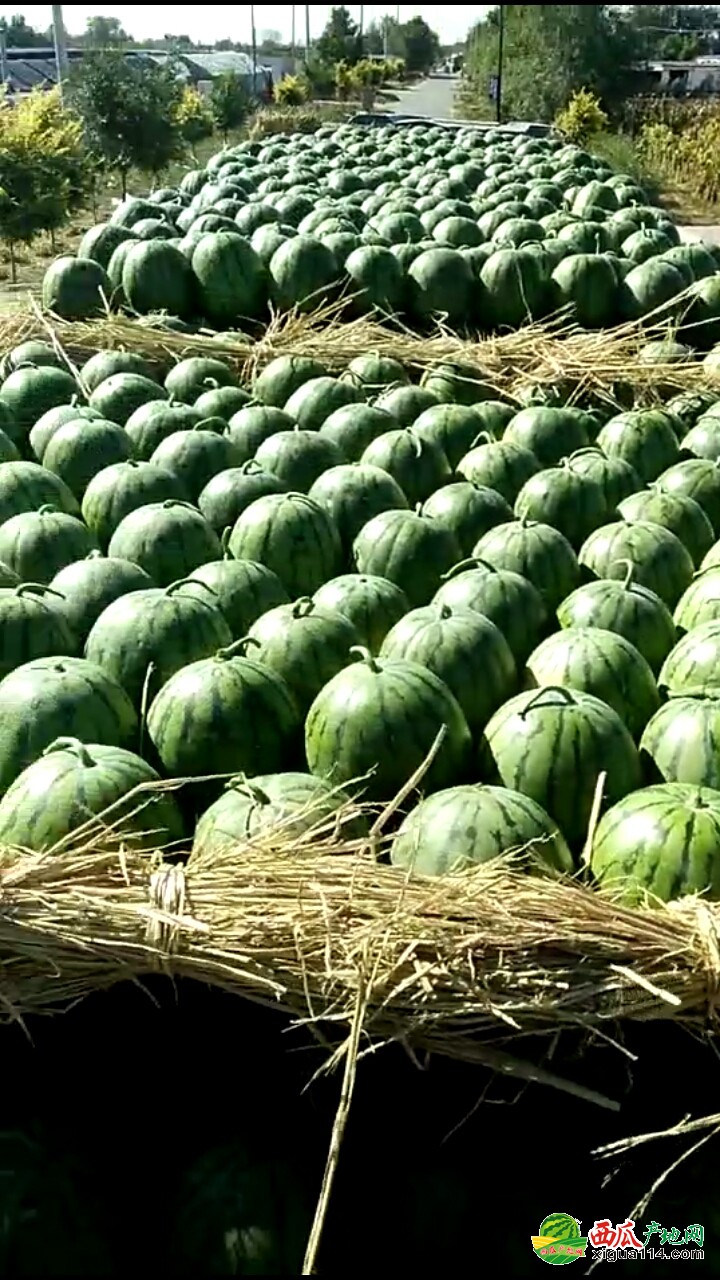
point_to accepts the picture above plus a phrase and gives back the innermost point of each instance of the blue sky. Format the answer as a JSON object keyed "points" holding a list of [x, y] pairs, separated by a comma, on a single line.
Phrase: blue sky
{"points": [[216, 22]]}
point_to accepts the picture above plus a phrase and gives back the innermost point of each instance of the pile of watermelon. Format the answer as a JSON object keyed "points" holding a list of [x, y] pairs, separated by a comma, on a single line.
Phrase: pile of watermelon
{"points": [[479, 227], [301, 583]]}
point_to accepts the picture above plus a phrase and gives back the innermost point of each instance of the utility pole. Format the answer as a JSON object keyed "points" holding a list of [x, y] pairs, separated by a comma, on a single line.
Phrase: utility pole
{"points": [[3, 56], [501, 51], [293, 40], [254, 48], [61, 58], [307, 34]]}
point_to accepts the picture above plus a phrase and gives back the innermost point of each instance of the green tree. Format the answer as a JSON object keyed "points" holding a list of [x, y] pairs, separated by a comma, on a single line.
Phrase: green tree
{"points": [[105, 33], [20, 35], [551, 51], [230, 102], [421, 45], [340, 41], [130, 112]]}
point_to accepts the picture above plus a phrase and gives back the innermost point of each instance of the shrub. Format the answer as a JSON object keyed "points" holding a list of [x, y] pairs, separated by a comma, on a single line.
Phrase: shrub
{"points": [[194, 116], [291, 91], [582, 117], [230, 102]]}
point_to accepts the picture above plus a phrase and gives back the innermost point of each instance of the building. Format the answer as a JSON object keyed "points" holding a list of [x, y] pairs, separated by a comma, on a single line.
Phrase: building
{"points": [[701, 76], [25, 69]]}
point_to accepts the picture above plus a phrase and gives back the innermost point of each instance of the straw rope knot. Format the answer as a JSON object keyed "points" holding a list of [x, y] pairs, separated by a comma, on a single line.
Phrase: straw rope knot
{"points": [[168, 900]]}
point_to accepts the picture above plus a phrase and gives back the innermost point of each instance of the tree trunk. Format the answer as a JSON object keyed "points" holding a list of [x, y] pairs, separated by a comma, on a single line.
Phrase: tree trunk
{"points": [[123, 180], [13, 263], [53, 242]]}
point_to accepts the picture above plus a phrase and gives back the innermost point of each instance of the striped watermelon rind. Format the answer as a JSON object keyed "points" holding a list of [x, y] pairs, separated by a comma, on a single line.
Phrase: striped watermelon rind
{"points": [[560, 1226]]}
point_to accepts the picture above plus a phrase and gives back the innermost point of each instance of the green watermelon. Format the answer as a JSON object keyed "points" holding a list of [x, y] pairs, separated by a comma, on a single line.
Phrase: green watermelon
{"points": [[405, 404], [221, 402], [660, 561], [244, 591], [8, 578], [701, 602], [371, 604], [441, 283], [549, 434], [663, 840], [603, 663], [626, 608], [303, 274], [50, 696], [230, 492], [552, 744], [275, 384], [587, 283], [674, 511], [354, 426], [354, 493], [374, 372], [32, 625], [25, 486], [249, 427], [79, 449], [499, 465], [689, 406], [465, 650], [147, 636], [466, 826], [644, 438], [100, 242], [157, 276], [453, 428], [459, 386], [505, 597], [567, 501], [613, 477], [517, 290], [8, 451], [298, 458], [681, 743], [304, 644], [410, 550], [468, 511], [75, 288], [293, 536], [167, 539], [122, 488], [36, 544], [417, 464], [105, 363], [381, 719], [224, 714], [156, 421], [189, 378], [692, 668], [231, 281], [195, 457], [32, 352], [297, 803], [78, 784], [118, 396], [88, 586], [535, 550], [28, 393], [703, 440], [651, 286], [312, 404], [376, 282], [50, 422], [697, 478]]}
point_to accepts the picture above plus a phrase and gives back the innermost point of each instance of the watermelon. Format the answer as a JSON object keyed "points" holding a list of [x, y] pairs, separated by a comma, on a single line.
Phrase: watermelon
{"points": [[81, 448], [8, 451], [195, 457], [354, 426], [155, 421], [8, 578], [122, 488], [644, 438], [587, 283], [697, 478], [675, 511], [36, 544], [250, 426], [552, 744], [189, 378], [692, 668], [303, 274], [32, 625], [465, 650], [660, 561], [626, 608], [75, 288], [304, 644], [459, 385], [118, 396], [371, 604], [32, 352], [560, 497], [506, 598], [410, 550], [549, 434], [231, 282], [297, 803], [275, 384], [25, 486], [452, 427], [680, 743], [535, 550], [50, 422], [441, 283], [230, 492], [293, 536], [381, 718], [224, 714], [405, 404], [88, 586], [354, 493], [701, 602], [100, 242], [689, 406], [468, 510], [221, 402], [651, 286], [467, 826], [517, 291], [157, 276], [498, 465], [298, 458], [417, 464], [602, 663], [375, 280], [149, 635], [663, 841], [79, 784], [28, 393], [374, 372], [50, 696], [105, 363], [167, 539], [614, 477], [313, 403], [703, 440], [244, 591]]}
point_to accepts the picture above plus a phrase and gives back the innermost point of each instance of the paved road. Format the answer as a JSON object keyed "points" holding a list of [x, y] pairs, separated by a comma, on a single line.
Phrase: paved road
{"points": [[429, 98]]}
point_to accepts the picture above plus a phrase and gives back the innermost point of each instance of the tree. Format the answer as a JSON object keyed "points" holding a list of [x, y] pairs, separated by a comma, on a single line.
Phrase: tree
{"points": [[129, 108], [421, 45], [20, 35], [105, 33], [340, 41], [550, 52], [194, 116], [230, 101]]}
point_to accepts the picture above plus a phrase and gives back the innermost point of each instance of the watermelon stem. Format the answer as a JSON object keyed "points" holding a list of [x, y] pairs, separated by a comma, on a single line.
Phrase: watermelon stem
{"points": [[186, 582], [629, 572], [38, 588], [565, 696], [471, 563], [72, 744], [144, 706], [366, 657], [239, 647], [303, 607]]}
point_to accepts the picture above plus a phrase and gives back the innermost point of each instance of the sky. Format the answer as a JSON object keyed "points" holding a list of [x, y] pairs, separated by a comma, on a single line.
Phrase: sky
{"points": [[218, 22]]}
